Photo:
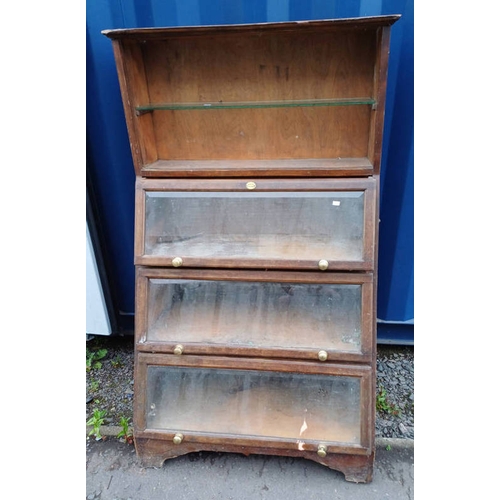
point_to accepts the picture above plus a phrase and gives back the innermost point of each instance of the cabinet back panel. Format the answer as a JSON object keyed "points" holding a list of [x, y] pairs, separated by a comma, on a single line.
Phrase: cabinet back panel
{"points": [[258, 68], [258, 134], [266, 67]]}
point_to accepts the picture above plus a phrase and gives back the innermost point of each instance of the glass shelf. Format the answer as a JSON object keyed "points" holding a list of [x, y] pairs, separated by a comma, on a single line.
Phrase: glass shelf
{"points": [[255, 104]]}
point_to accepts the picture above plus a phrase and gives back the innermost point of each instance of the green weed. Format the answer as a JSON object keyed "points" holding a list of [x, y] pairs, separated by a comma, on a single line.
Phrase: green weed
{"points": [[96, 421], [116, 362], [383, 405], [125, 432], [94, 357]]}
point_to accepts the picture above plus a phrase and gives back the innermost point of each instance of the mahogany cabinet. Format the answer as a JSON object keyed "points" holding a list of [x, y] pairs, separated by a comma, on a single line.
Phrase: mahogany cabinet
{"points": [[257, 157]]}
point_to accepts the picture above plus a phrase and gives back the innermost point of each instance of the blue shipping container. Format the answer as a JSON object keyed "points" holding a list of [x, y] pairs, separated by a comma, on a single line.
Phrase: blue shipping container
{"points": [[110, 173]]}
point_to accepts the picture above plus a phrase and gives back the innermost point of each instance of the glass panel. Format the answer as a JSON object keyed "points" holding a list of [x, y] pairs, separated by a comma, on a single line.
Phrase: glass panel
{"points": [[324, 316], [267, 404], [257, 225]]}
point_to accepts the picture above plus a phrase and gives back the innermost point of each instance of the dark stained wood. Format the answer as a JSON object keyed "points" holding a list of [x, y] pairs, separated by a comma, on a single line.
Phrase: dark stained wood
{"points": [[271, 62], [135, 147], [367, 185], [260, 134], [372, 410], [258, 276], [143, 344], [290, 366], [301, 110], [293, 185], [361, 372], [154, 451], [260, 68], [231, 263], [133, 89], [162, 33], [192, 348], [380, 85], [154, 447], [135, 74], [310, 167], [139, 218]]}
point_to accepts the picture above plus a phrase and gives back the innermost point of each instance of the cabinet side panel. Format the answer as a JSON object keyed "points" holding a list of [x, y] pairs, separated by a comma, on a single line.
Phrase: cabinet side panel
{"points": [[380, 89], [133, 88]]}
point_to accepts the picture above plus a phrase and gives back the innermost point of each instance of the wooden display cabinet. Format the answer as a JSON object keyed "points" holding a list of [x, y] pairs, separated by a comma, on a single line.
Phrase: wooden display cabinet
{"points": [[257, 155]]}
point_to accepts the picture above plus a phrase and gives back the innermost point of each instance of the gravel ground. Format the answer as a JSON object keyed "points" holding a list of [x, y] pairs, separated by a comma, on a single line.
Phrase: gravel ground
{"points": [[111, 387]]}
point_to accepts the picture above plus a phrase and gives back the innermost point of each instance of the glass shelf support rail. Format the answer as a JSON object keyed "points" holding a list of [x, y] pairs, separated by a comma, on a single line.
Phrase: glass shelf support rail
{"points": [[255, 104]]}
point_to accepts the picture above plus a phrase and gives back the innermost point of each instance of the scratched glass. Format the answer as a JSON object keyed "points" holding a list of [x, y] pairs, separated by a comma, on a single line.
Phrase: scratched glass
{"points": [[255, 404], [250, 314], [255, 225]]}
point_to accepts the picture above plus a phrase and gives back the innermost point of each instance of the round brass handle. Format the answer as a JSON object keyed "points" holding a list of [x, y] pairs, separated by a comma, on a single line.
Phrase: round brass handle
{"points": [[322, 355], [177, 262], [322, 450], [323, 264], [178, 438], [178, 349], [251, 185]]}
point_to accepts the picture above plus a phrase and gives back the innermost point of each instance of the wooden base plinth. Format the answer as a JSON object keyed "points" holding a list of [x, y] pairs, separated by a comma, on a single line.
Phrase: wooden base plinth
{"points": [[154, 452]]}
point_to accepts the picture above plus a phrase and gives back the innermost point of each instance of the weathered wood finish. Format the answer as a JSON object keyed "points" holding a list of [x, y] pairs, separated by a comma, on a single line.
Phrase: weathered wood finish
{"points": [[154, 452], [143, 344], [305, 184], [143, 34], [363, 372], [262, 185], [380, 86], [154, 447], [314, 60], [335, 167], [264, 118]]}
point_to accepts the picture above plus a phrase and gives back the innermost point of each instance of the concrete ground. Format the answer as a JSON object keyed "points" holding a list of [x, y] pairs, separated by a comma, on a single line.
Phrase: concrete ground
{"points": [[113, 473]]}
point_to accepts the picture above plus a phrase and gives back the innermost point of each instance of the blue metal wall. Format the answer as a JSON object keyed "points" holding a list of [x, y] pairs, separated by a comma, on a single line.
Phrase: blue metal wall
{"points": [[111, 172]]}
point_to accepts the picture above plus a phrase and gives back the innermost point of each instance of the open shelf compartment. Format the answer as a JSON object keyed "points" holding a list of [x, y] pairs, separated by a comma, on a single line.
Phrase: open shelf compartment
{"points": [[305, 92]]}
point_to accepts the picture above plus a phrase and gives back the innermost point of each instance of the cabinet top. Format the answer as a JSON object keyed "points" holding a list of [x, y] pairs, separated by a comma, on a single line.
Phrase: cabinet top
{"points": [[328, 24]]}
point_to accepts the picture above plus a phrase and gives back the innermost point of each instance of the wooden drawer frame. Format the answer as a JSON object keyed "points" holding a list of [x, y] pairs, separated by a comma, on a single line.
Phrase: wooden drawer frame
{"points": [[365, 280], [367, 185], [156, 446]]}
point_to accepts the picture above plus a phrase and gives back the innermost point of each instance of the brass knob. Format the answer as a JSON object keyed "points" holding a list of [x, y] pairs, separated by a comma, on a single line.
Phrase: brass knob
{"points": [[251, 185], [322, 450], [177, 262], [323, 264], [178, 349], [179, 437], [322, 355]]}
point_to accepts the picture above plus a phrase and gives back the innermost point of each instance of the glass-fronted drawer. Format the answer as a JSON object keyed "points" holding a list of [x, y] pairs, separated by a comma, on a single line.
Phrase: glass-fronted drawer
{"points": [[255, 313], [284, 224], [275, 402]]}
